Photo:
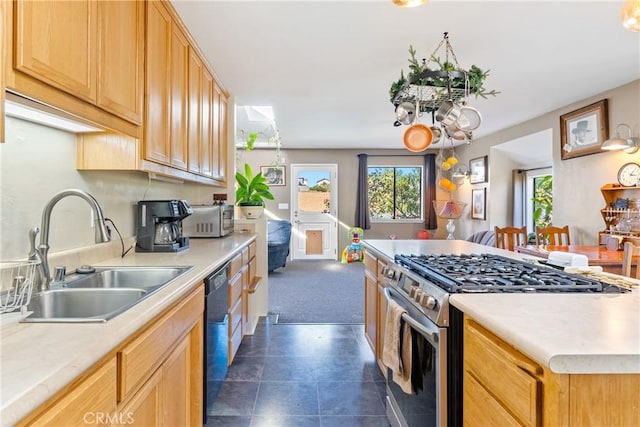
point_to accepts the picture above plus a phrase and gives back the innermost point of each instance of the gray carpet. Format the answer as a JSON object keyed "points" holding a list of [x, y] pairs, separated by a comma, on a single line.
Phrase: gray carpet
{"points": [[317, 291]]}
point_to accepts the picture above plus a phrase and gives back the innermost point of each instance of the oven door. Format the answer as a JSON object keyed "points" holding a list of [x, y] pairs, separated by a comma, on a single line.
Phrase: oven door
{"points": [[428, 407]]}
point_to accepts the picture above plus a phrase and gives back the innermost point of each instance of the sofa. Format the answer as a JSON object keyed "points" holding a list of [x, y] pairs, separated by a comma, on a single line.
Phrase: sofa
{"points": [[278, 240]]}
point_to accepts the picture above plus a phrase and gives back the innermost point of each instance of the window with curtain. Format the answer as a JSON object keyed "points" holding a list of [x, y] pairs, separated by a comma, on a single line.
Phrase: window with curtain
{"points": [[395, 193]]}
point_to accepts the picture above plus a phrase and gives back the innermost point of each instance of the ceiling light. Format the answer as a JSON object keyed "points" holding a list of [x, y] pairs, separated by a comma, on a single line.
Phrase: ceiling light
{"points": [[629, 144], [630, 15], [409, 3]]}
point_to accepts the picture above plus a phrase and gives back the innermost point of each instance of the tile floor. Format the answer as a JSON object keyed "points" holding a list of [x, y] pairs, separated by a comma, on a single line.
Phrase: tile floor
{"points": [[299, 375]]}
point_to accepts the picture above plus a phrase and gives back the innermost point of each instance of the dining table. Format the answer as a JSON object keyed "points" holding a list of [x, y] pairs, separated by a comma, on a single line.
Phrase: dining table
{"points": [[610, 260]]}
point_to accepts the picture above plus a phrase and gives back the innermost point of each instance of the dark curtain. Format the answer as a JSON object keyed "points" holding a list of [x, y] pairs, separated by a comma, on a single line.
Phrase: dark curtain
{"points": [[430, 218], [362, 219]]}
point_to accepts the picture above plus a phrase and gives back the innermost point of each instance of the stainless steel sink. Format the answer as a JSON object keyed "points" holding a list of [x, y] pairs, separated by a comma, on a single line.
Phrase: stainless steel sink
{"points": [[99, 296], [126, 277]]}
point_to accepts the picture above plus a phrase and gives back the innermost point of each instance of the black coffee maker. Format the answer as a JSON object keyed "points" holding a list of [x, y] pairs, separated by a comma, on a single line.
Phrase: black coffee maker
{"points": [[159, 227]]}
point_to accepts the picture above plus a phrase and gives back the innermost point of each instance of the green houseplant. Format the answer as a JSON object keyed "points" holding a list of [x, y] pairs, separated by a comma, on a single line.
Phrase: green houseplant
{"points": [[251, 192]]}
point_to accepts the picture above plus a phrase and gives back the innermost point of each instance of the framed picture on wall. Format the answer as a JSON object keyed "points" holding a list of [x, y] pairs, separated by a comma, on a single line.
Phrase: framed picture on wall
{"points": [[583, 131], [275, 175], [479, 203], [478, 169]]}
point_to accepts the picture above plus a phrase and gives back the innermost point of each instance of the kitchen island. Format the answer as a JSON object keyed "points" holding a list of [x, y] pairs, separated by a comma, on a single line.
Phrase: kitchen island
{"points": [[540, 358], [41, 360]]}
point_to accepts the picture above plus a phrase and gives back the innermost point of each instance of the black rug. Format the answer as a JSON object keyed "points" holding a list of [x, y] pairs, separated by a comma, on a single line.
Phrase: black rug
{"points": [[318, 291]]}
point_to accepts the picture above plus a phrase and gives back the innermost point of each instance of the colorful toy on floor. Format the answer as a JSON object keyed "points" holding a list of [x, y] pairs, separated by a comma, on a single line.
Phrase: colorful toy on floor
{"points": [[354, 252]]}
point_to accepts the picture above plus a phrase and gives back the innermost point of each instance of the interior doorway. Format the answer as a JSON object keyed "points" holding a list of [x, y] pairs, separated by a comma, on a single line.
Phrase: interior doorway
{"points": [[314, 211]]}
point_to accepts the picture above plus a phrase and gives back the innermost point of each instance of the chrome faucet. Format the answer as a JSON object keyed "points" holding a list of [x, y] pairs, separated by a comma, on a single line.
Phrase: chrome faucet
{"points": [[41, 253]]}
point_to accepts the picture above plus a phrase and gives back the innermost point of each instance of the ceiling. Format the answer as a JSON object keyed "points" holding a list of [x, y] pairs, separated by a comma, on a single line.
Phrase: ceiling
{"points": [[326, 66]]}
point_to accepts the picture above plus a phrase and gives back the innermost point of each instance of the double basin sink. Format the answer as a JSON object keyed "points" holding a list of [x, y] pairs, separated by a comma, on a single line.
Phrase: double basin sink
{"points": [[101, 295]]}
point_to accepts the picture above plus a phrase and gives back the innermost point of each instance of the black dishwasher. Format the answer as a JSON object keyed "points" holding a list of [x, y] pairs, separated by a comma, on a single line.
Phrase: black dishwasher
{"points": [[216, 291]]}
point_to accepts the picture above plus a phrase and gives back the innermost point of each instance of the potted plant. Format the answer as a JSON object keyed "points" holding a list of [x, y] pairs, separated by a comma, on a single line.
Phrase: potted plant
{"points": [[439, 75], [251, 192]]}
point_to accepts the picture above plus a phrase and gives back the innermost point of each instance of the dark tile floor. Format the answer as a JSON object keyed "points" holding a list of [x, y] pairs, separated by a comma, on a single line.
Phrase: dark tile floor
{"points": [[299, 375]]}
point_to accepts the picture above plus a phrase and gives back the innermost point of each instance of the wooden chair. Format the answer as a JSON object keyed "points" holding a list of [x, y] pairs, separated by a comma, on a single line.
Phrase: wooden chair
{"points": [[631, 250], [553, 235], [510, 237]]}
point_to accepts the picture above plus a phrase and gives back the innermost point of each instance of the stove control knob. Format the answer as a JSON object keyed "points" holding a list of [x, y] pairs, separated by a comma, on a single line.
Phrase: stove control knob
{"points": [[388, 272], [418, 295], [427, 301], [413, 292]]}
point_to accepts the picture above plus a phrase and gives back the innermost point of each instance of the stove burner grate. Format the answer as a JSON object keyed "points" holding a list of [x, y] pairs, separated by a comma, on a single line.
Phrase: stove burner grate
{"points": [[493, 273]]}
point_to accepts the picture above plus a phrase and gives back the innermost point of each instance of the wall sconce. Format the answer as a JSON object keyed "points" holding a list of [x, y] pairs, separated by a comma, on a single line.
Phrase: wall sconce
{"points": [[630, 15], [408, 3], [629, 144]]}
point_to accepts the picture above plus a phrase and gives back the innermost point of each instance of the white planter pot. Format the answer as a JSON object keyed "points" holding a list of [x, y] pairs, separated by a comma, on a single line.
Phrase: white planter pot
{"points": [[251, 212]]}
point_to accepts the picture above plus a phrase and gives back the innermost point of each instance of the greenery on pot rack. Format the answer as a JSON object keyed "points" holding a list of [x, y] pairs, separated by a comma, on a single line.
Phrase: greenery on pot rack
{"points": [[252, 189], [475, 75]]}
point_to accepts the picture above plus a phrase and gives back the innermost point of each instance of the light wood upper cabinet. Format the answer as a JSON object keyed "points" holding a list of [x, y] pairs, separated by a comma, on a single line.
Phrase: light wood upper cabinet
{"points": [[219, 147], [178, 100], [56, 43], [206, 136], [121, 58], [195, 99], [158, 41], [91, 50]]}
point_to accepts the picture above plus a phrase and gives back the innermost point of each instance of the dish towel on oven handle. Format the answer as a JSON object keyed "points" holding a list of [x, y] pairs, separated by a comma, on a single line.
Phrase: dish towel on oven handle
{"points": [[397, 349]]}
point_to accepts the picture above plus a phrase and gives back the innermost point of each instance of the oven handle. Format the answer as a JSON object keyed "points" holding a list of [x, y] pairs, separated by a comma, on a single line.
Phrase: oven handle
{"points": [[410, 320]]}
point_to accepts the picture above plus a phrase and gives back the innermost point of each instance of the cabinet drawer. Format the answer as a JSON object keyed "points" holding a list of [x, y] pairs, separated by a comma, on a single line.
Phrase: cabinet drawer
{"points": [[235, 265], [481, 409], [142, 356], [234, 342], [235, 316], [381, 265], [504, 372], [245, 256], [371, 263], [94, 395], [235, 289], [252, 250]]}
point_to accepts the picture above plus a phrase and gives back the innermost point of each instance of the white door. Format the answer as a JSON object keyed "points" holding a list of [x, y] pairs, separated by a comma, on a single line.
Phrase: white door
{"points": [[314, 211]]}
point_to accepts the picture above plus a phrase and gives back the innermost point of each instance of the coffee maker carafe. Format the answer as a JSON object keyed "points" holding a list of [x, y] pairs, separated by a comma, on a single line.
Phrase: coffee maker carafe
{"points": [[159, 226]]}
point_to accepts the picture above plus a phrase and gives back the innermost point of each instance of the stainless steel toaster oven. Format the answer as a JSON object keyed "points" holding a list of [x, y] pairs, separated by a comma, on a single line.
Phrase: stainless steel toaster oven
{"points": [[209, 221]]}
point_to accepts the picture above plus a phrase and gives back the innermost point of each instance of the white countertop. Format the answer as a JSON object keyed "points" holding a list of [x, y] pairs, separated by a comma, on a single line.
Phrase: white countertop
{"points": [[568, 333], [39, 359]]}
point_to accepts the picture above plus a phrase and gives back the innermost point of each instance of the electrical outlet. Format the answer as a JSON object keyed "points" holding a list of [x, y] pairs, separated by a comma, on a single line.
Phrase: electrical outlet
{"points": [[283, 205]]}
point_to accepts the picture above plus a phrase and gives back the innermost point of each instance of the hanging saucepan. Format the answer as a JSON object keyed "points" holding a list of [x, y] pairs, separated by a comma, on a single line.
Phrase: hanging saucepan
{"points": [[417, 138], [437, 134], [452, 131], [469, 119], [448, 113], [406, 113]]}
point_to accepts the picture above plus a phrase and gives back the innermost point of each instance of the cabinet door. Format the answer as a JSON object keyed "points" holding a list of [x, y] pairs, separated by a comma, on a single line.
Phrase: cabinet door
{"points": [[156, 133], [145, 407], [56, 43], [88, 403], [2, 59], [195, 92], [219, 129], [176, 385], [206, 135], [382, 318], [178, 100], [121, 58], [370, 309]]}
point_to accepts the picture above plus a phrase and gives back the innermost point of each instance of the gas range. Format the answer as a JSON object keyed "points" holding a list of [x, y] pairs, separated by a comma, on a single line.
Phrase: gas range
{"points": [[427, 280]]}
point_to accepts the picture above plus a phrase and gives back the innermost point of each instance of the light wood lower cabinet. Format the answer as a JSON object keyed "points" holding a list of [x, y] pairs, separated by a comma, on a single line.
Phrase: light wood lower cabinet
{"points": [[502, 386], [375, 305], [153, 379]]}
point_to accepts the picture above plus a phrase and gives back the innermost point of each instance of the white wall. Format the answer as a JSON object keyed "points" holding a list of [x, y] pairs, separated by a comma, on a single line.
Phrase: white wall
{"points": [[38, 161], [577, 181]]}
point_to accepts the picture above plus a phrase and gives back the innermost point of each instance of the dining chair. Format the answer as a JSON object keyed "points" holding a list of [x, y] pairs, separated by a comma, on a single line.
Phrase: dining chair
{"points": [[553, 235], [630, 250], [510, 237]]}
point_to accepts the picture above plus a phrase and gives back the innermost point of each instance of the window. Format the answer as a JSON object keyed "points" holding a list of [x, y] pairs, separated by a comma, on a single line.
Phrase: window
{"points": [[395, 193], [538, 198]]}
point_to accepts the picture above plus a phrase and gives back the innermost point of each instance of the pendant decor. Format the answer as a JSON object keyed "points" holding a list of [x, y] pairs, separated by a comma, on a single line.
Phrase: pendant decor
{"points": [[441, 87]]}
